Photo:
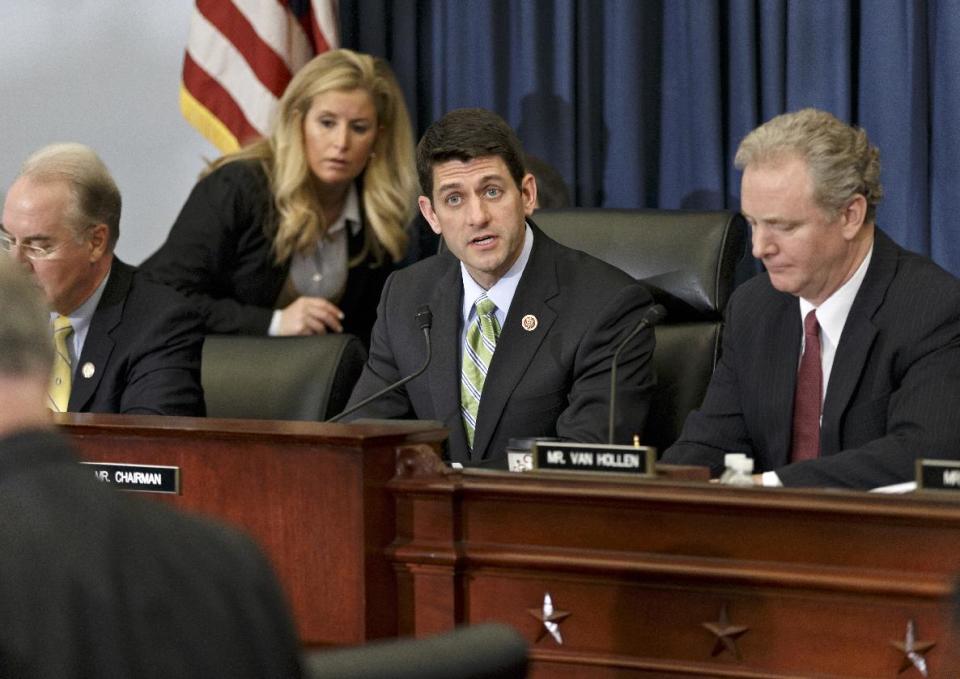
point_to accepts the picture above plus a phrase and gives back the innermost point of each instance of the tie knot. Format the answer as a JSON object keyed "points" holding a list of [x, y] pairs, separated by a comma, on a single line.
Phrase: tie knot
{"points": [[485, 306], [61, 323], [810, 324]]}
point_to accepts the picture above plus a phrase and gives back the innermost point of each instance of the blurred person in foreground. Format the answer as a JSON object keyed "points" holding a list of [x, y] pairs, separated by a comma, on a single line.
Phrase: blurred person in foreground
{"points": [[296, 233], [99, 583]]}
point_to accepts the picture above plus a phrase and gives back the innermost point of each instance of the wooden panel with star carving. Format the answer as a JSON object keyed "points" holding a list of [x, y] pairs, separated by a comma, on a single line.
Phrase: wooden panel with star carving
{"points": [[679, 579]]}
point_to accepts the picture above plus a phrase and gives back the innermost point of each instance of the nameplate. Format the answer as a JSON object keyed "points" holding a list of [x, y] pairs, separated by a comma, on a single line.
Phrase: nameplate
{"points": [[938, 475], [142, 478], [594, 457]]}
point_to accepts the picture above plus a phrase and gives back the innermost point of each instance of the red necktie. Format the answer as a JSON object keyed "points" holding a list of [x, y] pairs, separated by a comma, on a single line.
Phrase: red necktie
{"points": [[805, 444]]}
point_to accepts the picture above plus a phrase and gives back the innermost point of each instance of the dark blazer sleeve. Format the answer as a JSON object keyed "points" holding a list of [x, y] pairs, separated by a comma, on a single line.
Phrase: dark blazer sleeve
{"points": [[586, 417], [144, 347], [264, 627], [218, 254], [381, 368], [227, 616], [163, 366], [718, 426]]}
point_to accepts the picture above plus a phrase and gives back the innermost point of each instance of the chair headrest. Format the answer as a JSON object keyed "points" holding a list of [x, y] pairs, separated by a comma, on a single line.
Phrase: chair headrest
{"points": [[280, 378], [686, 258], [477, 652]]}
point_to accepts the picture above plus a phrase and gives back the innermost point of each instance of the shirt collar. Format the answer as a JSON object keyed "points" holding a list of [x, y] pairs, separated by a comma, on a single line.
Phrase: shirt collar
{"points": [[350, 213], [832, 314], [501, 292], [80, 318]]}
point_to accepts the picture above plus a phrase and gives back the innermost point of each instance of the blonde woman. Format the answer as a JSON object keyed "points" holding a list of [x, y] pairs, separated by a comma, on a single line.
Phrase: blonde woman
{"points": [[296, 233]]}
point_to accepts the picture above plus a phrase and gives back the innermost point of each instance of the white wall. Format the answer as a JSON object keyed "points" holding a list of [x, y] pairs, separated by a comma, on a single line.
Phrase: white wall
{"points": [[105, 73]]}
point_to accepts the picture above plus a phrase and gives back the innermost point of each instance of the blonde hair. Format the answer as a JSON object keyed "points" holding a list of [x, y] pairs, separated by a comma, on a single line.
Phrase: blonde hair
{"points": [[96, 198], [841, 160], [389, 178]]}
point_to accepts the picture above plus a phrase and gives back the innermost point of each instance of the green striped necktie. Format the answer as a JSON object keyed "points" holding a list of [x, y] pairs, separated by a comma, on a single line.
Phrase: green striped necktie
{"points": [[478, 350]]}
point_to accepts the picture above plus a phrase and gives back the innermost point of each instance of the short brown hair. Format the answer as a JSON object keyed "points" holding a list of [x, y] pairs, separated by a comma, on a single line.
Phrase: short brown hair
{"points": [[465, 134]]}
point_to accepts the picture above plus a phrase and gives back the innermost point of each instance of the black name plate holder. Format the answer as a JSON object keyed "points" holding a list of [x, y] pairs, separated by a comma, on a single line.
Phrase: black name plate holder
{"points": [[938, 475], [141, 478], [595, 457]]}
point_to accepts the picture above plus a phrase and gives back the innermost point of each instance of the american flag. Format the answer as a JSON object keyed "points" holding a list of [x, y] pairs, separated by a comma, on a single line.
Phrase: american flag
{"points": [[240, 56]]}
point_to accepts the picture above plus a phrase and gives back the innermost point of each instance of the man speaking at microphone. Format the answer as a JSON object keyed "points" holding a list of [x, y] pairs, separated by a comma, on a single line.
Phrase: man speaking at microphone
{"points": [[524, 329]]}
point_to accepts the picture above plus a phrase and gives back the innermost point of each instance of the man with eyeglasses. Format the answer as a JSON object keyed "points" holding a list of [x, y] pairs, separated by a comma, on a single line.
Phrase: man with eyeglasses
{"points": [[124, 344]]}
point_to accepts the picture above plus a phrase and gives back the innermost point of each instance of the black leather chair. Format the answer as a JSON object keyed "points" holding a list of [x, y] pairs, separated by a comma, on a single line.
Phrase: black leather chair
{"points": [[485, 651], [687, 260], [280, 378]]}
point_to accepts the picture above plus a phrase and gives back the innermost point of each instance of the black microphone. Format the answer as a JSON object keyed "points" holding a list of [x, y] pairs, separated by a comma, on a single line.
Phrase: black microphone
{"points": [[424, 320], [650, 318]]}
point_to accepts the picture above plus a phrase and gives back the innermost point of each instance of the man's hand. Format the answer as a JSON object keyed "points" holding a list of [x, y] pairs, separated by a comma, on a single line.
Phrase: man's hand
{"points": [[310, 316]]}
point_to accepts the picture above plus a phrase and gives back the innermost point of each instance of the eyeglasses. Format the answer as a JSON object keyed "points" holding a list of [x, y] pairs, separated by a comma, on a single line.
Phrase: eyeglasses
{"points": [[31, 252]]}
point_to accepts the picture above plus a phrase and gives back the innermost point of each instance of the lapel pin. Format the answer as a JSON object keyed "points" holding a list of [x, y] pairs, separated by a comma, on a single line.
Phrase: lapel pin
{"points": [[529, 322], [88, 369]]}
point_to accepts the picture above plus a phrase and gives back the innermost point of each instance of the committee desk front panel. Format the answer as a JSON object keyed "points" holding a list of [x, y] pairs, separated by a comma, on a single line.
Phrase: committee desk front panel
{"points": [[673, 579], [313, 495]]}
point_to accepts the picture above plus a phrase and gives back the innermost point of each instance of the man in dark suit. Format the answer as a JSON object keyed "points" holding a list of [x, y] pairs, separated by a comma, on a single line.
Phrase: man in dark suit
{"points": [[125, 345], [841, 363], [524, 328], [99, 583]]}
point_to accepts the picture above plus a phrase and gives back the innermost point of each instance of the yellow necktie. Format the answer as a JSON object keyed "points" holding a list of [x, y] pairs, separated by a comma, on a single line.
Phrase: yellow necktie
{"points": [[61, 377]]}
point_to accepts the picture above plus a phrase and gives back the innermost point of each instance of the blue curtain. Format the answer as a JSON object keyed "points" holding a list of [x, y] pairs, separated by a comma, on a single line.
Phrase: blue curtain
{"points": [[641, 103]]}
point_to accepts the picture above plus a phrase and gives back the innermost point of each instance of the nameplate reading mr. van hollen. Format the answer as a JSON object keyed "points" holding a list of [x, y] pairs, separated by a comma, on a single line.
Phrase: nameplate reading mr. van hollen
{"points": [[143, 478], [594, 457]]}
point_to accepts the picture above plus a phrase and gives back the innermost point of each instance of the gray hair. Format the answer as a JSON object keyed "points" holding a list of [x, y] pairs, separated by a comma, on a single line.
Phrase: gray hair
{"points": [[96, 196], [841, 160], [24, 324]]}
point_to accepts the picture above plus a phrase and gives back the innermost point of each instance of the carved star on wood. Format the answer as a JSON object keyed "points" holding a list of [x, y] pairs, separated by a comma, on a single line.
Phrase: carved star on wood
{"points": [[550, 617], [913, 650], [726, 634]]}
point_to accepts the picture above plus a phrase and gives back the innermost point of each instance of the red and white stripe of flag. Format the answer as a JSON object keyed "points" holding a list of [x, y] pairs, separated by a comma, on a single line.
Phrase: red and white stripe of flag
{"points": [[240, 56]]}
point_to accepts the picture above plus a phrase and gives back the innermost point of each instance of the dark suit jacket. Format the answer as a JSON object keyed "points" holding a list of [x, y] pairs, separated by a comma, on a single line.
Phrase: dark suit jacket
{"points": [[553, 381], [144, 345], [219, 254], [894, 390], [98, 583]]}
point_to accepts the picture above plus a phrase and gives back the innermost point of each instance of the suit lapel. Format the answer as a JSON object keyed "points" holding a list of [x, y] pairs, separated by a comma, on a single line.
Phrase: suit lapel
{"points": [[444, 371], [98, 345], [857, 339], [517, 346], [779, 369]]}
